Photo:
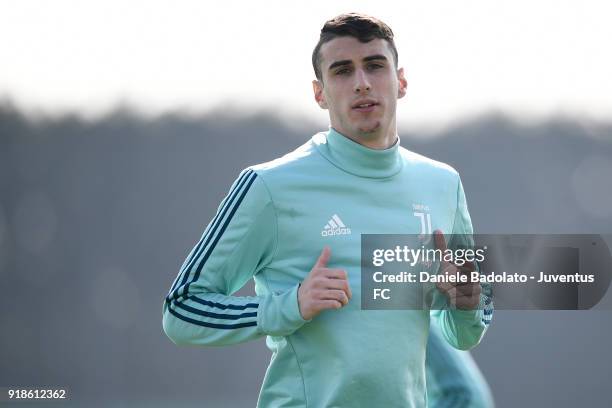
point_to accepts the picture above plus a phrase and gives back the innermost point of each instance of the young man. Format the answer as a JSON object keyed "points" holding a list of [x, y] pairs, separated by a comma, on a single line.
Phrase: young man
{"points": [[294, 225]]}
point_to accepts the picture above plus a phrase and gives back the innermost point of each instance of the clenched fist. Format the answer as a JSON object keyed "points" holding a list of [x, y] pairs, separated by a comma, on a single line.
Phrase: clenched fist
{"points": [[323, 288]]}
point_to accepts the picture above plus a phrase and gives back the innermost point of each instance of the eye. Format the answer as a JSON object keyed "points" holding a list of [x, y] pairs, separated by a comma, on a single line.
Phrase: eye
{"points": [[374, 66], [343, 71]]}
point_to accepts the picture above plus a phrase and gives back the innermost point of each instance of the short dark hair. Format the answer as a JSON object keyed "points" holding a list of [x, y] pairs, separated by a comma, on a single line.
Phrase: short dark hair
{"points": [[361, 26]]}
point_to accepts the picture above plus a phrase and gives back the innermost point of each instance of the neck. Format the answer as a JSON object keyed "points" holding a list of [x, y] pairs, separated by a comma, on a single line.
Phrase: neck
{"points": [[379, 139], [357, 159]]}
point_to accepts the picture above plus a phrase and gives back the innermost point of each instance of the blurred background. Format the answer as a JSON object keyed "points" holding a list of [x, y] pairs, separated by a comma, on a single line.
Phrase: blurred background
{"points": [[122, 126]]}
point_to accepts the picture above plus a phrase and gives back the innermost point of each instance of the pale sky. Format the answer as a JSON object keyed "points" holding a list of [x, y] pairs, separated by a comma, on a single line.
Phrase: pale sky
{"points": [[461, 58]]}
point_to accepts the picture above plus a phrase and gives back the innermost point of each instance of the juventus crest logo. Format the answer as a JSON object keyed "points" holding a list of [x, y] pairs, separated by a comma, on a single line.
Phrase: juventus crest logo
{"points": [[421, 211]]}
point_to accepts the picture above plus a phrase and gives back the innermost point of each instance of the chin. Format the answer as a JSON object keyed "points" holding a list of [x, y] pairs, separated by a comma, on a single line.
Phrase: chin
{"points": [[369, 128]]}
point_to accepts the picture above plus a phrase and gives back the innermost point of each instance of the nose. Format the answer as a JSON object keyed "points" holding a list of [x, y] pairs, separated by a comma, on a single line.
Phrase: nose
{"points": [[361, 82]]}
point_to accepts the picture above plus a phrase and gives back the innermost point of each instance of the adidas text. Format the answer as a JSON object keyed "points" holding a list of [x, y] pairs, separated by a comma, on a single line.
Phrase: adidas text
{"points": [[335, 226], [337, 231]]}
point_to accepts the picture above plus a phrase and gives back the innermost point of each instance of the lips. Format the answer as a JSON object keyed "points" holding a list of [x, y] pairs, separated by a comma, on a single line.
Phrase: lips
{"points": [[365, 105]]}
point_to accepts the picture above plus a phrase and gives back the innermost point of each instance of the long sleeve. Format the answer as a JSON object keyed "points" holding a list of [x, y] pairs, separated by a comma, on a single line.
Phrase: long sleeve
{"points": [[464, 329], [238, 243]]}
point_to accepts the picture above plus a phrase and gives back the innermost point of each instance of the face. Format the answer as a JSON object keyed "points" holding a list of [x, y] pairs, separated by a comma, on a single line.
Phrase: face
{"points": [[360, 86]]}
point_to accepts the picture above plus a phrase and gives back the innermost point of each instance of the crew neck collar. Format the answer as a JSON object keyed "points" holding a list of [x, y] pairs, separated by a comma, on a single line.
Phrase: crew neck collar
{"points": [[358, 159]]}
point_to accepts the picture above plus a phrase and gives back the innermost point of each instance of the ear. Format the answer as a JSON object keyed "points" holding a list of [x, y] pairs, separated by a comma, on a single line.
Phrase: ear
{"points": [[403, 84], [317, 88]]}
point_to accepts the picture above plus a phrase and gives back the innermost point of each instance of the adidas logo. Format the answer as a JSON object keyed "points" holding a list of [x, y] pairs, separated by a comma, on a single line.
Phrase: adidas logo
{"points": [[335, 226]]}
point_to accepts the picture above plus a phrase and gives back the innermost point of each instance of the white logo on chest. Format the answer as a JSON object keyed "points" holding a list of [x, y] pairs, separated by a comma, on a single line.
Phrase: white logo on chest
{"points": [[421, 211], [335, 226]]}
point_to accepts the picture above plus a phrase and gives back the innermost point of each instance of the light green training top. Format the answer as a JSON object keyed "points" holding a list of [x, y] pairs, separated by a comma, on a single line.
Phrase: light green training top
{"points": [[272, 227]]}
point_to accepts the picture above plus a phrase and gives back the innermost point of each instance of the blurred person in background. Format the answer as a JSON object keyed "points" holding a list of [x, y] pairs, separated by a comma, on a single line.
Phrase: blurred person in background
{"points": [[453, 378], [294, 225]]}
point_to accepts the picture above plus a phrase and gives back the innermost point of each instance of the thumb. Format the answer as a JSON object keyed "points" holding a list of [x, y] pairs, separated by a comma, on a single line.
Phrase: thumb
{"points": [[323, 258], [439, 238]]}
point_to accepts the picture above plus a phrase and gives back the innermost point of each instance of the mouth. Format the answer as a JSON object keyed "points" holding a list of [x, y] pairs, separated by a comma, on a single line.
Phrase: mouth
{"points": [[365, 106]]}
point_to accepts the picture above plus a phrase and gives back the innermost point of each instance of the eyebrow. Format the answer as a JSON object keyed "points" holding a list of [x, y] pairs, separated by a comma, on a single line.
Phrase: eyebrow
{"points": [[349, 62]]}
